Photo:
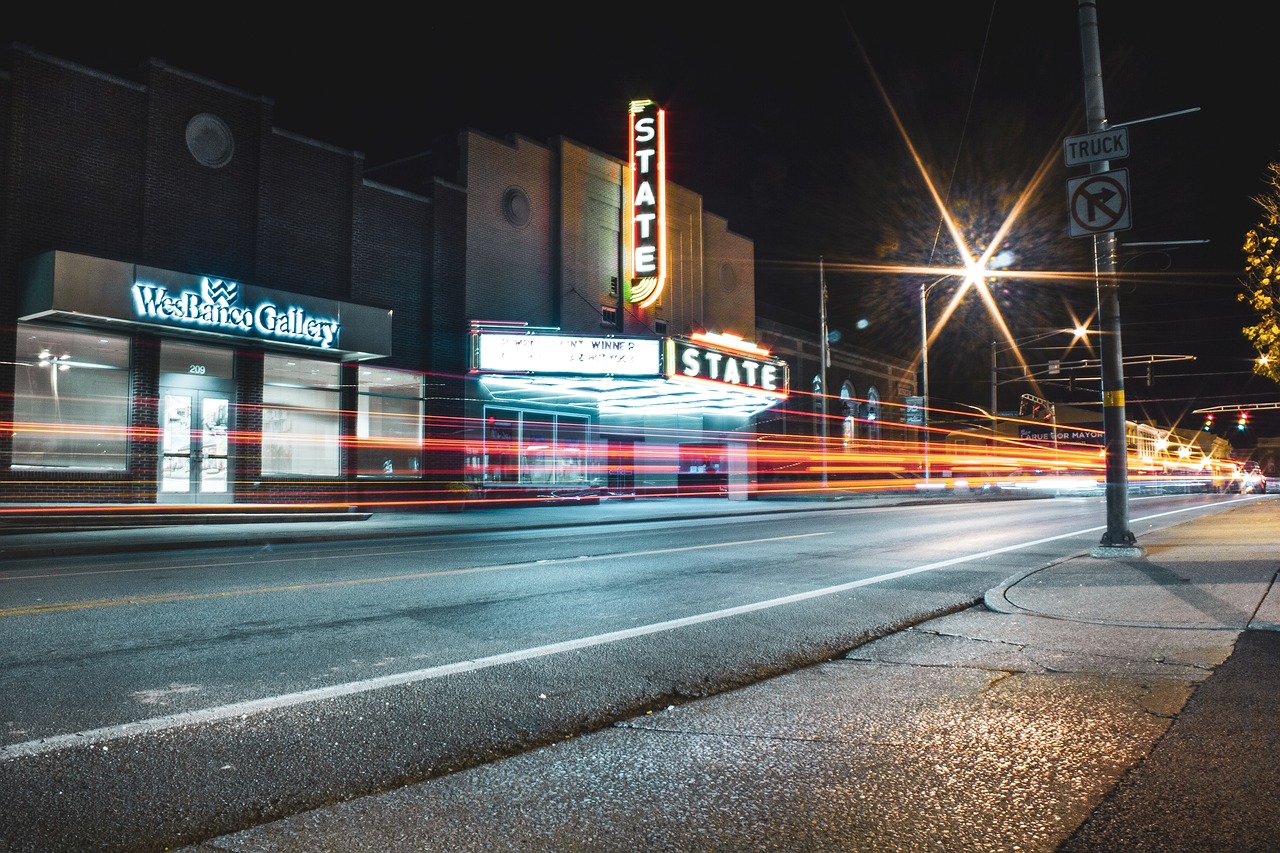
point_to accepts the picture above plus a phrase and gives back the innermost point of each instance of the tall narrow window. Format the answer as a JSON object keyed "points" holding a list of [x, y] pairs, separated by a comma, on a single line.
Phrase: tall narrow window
{"points": [[873, 414], [300, 417], [501, 446], [538, 448], [389, 423], [848, 415], [71, 399]]}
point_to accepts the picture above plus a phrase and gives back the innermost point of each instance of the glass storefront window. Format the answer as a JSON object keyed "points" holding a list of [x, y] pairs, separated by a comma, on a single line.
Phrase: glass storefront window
{"points": [[301, 423], [71, 399], [501, 446], [389, 423], [538, 449], [571, 451], [534, 448]]}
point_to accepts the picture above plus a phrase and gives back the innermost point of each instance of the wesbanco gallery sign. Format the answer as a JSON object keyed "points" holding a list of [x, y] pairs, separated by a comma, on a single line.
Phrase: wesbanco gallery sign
{"points": [[81, 288]]}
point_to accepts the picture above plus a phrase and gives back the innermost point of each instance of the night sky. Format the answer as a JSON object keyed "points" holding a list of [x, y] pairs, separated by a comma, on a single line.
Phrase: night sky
{"points": [[784, 121]]}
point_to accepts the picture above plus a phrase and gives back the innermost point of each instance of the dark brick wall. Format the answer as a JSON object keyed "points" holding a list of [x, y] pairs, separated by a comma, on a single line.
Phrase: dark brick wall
{"points": [[101, 165], [8, 273], [198, 219], [144, 434], [446, 386], [511, 266], [245, 447], [305, 236], [391, 268], [77, 158], [69, 179]]}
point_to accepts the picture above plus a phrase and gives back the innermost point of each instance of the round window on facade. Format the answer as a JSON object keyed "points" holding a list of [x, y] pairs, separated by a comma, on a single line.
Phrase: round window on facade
{"points": [[209, 140], [515, 207], [728, 278]]}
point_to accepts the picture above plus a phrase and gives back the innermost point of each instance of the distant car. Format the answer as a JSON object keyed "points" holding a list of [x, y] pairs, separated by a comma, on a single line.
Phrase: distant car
{"points": [[1249, 480]]}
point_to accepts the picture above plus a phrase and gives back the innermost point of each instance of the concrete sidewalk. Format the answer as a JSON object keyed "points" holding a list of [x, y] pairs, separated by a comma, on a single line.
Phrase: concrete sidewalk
{"points": [[1097, 704]]}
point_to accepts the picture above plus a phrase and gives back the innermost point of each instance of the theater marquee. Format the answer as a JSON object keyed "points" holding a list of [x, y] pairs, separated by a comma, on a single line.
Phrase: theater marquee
{"points": [[726, 359], [580, 355]]}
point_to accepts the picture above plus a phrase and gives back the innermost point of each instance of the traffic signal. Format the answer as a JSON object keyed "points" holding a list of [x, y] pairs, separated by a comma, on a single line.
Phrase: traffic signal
{"points": [[1208, 421], [1243, 423]]}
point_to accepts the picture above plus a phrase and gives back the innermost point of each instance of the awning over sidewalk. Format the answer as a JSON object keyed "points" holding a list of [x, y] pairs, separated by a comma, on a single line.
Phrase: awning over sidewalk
{"points": [[628, 394], [706, 373]]}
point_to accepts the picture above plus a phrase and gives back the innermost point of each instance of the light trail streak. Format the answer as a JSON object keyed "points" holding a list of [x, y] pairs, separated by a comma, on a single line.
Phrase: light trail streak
{"points": [[171, 597]]}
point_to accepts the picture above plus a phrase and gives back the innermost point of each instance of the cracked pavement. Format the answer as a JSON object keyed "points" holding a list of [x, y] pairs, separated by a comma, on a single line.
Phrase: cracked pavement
{"points": [[974, 731]]}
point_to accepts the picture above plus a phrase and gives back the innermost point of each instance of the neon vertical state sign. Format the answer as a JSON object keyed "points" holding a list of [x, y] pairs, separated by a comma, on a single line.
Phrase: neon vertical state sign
{"points": [[647, 206]]}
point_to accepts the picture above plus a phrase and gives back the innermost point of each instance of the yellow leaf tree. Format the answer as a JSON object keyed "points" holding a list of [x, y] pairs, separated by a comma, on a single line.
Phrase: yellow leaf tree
{"points": [[1260, 284]]}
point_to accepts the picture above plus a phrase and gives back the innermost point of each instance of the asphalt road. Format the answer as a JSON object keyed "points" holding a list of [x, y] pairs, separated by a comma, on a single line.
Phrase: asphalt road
{"points": [[509, 654]]}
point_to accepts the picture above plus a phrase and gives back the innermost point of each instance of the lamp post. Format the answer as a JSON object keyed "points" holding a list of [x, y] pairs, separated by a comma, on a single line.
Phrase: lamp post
{"points": [[924, 367], [973, 275], [825, 358], [924, 374]]}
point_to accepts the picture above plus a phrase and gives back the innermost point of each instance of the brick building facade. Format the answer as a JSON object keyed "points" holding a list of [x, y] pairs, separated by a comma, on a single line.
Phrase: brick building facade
{"points": [[202, 308]]}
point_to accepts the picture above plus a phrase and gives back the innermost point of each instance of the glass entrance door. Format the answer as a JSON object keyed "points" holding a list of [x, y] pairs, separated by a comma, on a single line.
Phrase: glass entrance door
{"points": [[621, 468], [194, 444]]}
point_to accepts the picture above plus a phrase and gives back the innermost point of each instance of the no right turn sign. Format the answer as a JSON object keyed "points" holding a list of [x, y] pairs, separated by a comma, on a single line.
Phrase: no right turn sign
{"points": [[1099, 203]]}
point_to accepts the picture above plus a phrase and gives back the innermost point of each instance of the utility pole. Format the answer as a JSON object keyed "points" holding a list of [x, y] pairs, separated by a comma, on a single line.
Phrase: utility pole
{"points": [[995, 414], [1118, 540], [825, 357], [924, 373]]}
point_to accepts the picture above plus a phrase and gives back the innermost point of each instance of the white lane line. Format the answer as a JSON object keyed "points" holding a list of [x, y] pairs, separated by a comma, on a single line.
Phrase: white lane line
{"points": [[272, 703]]}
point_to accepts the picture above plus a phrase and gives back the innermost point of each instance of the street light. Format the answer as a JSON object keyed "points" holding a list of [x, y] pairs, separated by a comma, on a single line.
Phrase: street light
{"points": [[824, 356], [973, 276], [924, 366]]}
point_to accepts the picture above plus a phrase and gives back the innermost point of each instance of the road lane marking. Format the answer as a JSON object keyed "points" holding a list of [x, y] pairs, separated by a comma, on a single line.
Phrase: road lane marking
{"points": [[220, 713], [319, 694]]}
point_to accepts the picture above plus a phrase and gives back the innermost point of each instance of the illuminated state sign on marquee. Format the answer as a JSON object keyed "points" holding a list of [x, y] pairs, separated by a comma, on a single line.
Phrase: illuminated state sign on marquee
{"points": [[647, 204], [216, 307], [726, 359]]}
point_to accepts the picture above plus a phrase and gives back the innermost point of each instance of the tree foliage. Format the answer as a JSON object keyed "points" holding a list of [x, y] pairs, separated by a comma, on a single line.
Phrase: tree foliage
{"points": [[1261, 287]]}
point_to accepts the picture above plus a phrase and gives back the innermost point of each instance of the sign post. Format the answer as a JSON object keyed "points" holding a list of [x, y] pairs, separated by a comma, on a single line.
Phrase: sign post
{"points": [[1105, 208]]}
